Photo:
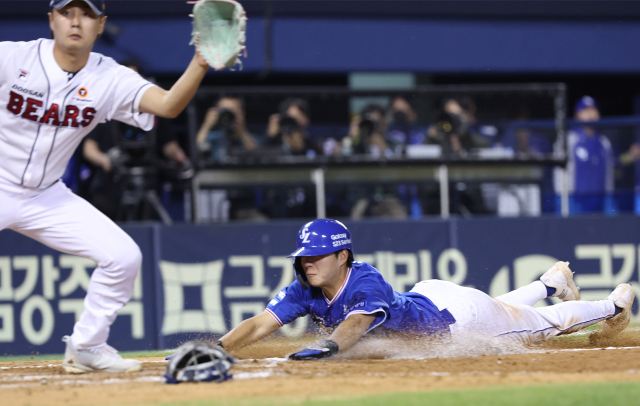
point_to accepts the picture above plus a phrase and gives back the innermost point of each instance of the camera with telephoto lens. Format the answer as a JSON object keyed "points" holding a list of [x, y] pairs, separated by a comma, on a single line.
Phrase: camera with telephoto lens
{"points": [[288, 125], [447, 125], [369, 125], [226, 120], [135, 144], [400, 118]]}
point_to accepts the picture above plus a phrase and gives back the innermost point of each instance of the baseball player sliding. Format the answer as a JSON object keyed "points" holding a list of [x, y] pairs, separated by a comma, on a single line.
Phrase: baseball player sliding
{"points": [[52, 94], [349, 299]]}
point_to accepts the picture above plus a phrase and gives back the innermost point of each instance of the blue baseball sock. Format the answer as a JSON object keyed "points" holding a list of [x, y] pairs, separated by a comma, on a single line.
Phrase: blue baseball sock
{"points": [[550, 291], [618, 310]]}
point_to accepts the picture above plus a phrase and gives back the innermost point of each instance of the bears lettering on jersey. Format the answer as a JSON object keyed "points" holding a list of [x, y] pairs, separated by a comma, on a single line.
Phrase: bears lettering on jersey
{"points": [[27, 108], [44, 116]]}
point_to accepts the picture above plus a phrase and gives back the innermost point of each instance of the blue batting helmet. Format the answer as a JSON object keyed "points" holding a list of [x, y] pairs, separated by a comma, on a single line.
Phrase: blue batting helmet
{"points": [[320, 237]]}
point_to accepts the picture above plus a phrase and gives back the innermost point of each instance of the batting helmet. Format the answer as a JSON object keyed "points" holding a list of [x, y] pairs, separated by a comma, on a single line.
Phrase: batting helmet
{"points": [[320, 237]]}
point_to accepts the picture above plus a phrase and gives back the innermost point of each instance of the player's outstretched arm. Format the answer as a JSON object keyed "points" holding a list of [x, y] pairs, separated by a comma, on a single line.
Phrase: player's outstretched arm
{"points": [[350, 331], [344, 337], [249, 331], [170, 103]]}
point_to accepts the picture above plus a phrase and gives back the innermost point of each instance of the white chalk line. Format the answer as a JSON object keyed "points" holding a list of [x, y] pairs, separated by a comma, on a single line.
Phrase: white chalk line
{"points": [[8, 377], [57, 365], [110, 381], [585, 349], [44, 381], [32, 366]]}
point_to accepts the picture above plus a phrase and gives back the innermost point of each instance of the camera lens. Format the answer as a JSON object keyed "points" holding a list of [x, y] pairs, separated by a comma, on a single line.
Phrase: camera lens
{"points": [[369, 125], [400, 117], [226, 119], [288, 125]]}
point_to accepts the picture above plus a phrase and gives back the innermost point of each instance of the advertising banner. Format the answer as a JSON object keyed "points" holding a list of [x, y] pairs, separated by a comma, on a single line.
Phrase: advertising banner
{"points": [[42, 292], [202, 281]]}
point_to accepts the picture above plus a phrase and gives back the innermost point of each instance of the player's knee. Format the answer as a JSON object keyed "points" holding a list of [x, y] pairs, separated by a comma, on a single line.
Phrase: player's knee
{"points": [[131, 258], [124, 259]]}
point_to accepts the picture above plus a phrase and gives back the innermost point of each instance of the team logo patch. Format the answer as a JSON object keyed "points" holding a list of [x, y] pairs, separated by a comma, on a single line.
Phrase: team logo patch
{"points": [[304, 235], [83, 92], [22, 74], [359, 299]]}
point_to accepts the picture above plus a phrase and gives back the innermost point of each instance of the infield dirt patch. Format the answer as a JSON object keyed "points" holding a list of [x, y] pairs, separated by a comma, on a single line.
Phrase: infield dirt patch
{"points": [[259, 374]]}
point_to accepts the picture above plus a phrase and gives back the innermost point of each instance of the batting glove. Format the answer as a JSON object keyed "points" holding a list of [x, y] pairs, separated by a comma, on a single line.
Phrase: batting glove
{"points": [[324, 349]]}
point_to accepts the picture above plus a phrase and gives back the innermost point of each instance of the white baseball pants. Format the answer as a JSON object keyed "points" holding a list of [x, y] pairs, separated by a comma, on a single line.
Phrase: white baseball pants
{"points": [[512, 315], [63, 221]]}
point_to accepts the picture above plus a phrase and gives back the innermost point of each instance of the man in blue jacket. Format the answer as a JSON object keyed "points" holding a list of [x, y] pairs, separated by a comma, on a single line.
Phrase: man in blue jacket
{"points": [[591, 163]]}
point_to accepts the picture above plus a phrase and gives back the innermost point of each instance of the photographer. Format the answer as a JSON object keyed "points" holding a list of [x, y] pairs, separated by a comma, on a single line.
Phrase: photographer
{"points": [[224, 131], [367, 133], [452, 132], [113, 147], [288, 128], [404, 130]]}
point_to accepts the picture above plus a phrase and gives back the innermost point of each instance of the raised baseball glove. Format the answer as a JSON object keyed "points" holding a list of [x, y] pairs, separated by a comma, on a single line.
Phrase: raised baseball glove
{"points": [[219, 32], [199, 361]]}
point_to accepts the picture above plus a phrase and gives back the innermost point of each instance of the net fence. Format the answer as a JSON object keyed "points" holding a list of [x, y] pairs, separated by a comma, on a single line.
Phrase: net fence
{"points": [[297, 128]]}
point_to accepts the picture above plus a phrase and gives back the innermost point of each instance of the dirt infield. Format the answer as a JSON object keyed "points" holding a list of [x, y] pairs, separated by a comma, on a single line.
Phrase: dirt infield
{"points": [[262, 372]]}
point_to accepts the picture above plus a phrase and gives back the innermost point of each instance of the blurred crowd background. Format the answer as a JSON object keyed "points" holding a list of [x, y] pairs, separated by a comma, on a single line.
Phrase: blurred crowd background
{"points": [[376, 85]]}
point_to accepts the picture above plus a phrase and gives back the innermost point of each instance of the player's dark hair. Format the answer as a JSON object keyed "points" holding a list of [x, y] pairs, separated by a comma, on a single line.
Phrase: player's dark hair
{"points": [[349, 257]]}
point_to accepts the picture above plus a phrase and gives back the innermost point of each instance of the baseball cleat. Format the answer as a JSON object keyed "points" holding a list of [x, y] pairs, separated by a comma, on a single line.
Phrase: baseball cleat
{"points": [[100, 359], [622, 297], [560, 277]]}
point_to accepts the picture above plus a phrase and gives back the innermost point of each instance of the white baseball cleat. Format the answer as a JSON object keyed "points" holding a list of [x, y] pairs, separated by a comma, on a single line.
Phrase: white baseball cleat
{"points": [[560, 277], [100, 359], [622, 297]]}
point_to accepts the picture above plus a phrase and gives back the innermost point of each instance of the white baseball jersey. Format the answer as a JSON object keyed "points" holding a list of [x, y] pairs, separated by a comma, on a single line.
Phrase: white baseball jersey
{"points": [[45, 112]]}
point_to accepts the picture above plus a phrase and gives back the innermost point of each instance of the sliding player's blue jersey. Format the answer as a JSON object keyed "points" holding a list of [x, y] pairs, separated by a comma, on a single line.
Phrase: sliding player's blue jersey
{"points": [[364, 291]]}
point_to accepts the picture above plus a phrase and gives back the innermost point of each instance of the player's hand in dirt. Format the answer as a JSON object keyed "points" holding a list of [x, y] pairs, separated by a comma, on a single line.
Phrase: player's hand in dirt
{"points": [[324, 349]]}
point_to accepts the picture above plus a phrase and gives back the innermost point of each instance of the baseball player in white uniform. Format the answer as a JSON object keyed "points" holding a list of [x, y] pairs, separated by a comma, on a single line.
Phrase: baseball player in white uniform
{"points": [[52, 94]]}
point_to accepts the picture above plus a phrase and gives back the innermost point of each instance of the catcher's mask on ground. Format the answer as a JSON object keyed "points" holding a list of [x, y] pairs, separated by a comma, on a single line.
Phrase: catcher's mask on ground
{"points": [[320, 237], [199, 361]]}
